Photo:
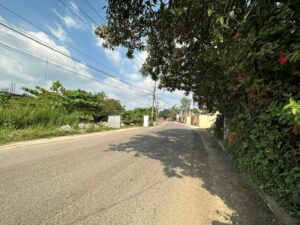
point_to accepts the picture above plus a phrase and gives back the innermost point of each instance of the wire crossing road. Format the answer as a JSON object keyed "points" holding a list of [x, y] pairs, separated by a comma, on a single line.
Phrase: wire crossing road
{"points": [[169, 174]]}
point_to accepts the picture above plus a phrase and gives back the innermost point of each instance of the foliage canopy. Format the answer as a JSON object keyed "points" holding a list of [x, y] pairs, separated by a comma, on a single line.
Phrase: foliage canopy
{"points": [[56, 106], [185, 103]]}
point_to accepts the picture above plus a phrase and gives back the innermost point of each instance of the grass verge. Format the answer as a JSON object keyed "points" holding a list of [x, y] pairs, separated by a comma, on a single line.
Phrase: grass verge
{"points": [[9, 135]]}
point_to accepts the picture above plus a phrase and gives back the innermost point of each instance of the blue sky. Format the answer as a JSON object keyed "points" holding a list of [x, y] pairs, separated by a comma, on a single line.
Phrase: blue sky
{"points": [[63, 30]]}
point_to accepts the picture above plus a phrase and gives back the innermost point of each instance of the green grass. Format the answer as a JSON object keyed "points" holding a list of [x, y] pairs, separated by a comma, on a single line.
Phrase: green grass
{"points": [[27, 122], [13, 135], [24, 117], [9, 135]]}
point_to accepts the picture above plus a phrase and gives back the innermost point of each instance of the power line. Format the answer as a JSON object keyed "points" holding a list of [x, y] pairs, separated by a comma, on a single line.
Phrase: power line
{"points": [[59, 66], [71, 46], [90, 5], [93, 21], [64, 54], [139, 97], [153, 102], [74, 13], [21, 43], [81, 10], [50, 34]]}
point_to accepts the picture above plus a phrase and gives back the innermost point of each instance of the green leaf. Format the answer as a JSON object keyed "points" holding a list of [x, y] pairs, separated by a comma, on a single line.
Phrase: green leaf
{"points": [[222, 21], [209, 12]]}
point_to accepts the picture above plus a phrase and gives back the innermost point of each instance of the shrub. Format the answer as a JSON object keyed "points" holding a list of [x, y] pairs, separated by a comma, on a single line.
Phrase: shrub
{"points": [[135, 116]]}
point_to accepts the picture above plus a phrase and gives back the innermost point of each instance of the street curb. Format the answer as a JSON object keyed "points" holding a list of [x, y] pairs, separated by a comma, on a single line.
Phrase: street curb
{"points": [[276, 209]]}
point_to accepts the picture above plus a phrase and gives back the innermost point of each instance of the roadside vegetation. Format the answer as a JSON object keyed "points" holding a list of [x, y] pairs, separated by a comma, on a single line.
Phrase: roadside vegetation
{"points": [[170, 114], [240, 58], [58, 111], [136, 116]]}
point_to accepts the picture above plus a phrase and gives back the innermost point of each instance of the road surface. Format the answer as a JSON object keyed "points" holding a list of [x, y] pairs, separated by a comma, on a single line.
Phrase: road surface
{"points": [[168, 175]]}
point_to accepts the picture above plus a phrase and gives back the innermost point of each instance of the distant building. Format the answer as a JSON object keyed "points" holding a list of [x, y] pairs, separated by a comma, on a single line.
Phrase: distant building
{"points": [[201, 120]]}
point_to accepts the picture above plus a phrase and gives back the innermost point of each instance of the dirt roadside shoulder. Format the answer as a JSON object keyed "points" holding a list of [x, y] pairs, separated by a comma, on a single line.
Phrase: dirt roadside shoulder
{"points": [[217, 147]]}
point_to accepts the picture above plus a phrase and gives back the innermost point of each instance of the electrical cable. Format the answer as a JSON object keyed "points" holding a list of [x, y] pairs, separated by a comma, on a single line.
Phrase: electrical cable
{"points": [[64, 54], [59, 66], [81, 10], [50, 34], [84, 13], [90, 5]]}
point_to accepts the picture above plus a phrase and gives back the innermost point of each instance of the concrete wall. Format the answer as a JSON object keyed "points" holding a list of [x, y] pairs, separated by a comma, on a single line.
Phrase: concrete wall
{"points": [[200, 120], [114, 121], [207, 121], [188, 120]]}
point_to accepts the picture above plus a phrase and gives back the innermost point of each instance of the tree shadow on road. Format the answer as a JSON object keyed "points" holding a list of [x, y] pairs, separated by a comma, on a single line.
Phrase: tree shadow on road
{"points": [[183, 154]]}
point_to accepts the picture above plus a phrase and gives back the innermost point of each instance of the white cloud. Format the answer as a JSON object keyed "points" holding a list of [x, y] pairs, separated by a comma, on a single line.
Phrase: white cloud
{"points": [[82, 69], [68, 20], [60, 33], [28, 72], [5, 85], [2, 19], [14, 68], [93, 28], [100, 42], [138, 60], [135, 77], [113, 55], [168, 99], [45, 39], [74, 6], [141, 57], [131, 99]]}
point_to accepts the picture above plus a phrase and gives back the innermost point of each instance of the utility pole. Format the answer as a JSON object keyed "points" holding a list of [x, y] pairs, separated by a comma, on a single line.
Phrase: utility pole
{"points": [[12, 87], [157, 112], [193, 103], [153, 102]]}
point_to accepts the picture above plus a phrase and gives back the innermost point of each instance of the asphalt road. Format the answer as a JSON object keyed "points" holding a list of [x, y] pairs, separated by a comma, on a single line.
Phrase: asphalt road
{"points": [[169, 174]]}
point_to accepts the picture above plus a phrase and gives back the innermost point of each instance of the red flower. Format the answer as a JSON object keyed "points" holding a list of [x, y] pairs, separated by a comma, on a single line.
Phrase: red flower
{"points": [[232, 137], [283, 60], [237, 36]]}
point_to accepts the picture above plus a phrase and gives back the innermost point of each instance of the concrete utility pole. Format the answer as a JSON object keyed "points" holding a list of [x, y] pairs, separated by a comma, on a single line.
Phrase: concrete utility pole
{"points": [[153, 102], [12, 87], [193, 103], [157, 112]]}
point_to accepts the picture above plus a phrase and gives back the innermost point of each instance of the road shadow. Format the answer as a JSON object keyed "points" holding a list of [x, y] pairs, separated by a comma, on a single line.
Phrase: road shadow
{"points": [[183, 154]]}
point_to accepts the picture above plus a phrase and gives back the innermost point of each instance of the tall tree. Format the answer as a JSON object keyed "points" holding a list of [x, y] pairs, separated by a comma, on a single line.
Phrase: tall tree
{"points": [[170, 113], [185, 103]]}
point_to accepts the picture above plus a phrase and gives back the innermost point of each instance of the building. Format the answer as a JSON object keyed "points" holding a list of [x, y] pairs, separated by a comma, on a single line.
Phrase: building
{"points": [[201, 120]]}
